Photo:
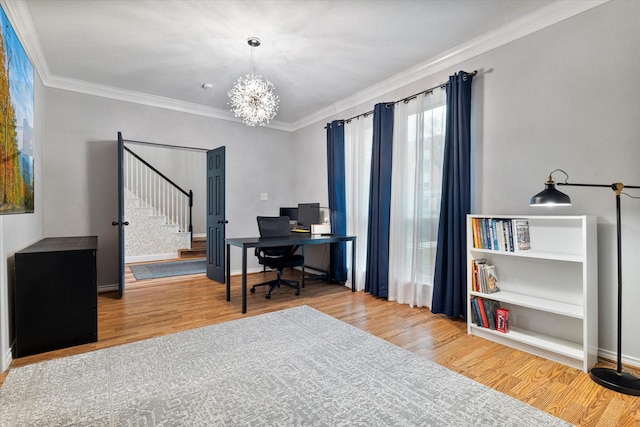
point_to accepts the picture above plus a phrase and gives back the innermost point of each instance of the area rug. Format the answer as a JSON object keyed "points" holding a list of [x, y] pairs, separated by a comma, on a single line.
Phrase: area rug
{"points": [[166, 269], [295, 367]]}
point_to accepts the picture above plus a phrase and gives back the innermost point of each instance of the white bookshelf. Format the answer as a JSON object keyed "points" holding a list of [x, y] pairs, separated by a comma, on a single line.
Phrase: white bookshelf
{"points": [[550, 290]]}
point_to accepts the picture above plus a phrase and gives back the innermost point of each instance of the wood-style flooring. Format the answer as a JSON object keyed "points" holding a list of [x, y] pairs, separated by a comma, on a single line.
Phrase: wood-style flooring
{"points": [[152, 308]]}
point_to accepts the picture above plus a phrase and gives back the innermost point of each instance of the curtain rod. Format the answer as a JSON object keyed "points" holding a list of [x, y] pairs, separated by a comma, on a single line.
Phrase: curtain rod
{"points": [[156, 144], [408, 98]]}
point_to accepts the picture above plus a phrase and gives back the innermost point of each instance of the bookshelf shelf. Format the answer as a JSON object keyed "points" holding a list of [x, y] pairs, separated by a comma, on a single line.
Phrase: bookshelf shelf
{"points": [[550, 289], [545, 342], [559, 256], [536, 303]]}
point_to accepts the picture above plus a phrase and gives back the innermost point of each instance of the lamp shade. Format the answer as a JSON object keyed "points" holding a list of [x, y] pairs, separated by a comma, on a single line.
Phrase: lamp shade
{"points": [[550, 196]]}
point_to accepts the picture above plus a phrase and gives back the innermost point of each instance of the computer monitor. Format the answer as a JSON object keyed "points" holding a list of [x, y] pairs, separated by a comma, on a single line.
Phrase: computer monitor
{"points": [[308, 213], [292, 213]]}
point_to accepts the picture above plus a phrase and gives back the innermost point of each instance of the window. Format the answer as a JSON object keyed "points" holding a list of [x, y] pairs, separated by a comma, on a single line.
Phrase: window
{"points": [[418, 149]]}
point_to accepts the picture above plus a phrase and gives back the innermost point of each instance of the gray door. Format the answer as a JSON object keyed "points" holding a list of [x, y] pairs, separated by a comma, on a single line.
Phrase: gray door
{"points": [[120, 223], [216, 214]]}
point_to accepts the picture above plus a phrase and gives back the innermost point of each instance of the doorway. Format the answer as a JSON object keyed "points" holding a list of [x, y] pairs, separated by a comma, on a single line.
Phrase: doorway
{"points": [[185, 166]]}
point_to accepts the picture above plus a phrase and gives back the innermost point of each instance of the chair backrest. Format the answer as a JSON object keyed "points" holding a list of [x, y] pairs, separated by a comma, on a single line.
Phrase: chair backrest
{"points": [[274, 226]]}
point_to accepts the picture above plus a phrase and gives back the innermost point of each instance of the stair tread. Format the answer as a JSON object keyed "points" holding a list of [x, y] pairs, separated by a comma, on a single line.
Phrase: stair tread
{"points": [[192, 253]]}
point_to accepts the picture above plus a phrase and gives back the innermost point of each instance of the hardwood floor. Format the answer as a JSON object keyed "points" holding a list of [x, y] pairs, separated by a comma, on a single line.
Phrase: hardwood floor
{"points": [[152, 308]]}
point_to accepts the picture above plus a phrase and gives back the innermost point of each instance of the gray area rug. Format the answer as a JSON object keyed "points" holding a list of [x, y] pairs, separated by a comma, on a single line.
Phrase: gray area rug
{"points": [[166, 269], [295, 367]]}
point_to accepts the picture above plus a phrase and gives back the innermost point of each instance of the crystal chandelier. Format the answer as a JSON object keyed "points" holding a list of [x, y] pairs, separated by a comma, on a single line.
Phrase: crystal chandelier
{"points": [[252, 98]]}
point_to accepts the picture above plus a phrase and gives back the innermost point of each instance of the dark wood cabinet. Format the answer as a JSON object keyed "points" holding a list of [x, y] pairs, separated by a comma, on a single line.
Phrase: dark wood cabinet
{"points": [[56, 295]]}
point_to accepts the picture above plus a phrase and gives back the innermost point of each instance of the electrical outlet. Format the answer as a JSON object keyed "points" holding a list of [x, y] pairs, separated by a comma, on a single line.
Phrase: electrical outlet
{"points": [[264, 196]]}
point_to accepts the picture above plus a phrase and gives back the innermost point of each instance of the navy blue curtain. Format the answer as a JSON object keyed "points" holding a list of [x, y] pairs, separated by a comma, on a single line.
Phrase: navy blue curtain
{"points": [[450, 283], [377, 274], [337, 199]]}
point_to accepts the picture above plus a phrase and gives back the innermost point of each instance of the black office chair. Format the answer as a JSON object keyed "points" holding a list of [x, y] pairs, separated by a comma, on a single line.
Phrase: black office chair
{"points": [[280, 257]]}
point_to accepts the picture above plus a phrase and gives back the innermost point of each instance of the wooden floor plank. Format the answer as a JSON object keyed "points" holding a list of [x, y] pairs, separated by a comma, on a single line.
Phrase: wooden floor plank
{"points": [[157, 307]]}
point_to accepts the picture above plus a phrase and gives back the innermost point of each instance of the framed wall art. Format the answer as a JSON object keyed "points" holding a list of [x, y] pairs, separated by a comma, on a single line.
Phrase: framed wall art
{"points": [[16, 124]]}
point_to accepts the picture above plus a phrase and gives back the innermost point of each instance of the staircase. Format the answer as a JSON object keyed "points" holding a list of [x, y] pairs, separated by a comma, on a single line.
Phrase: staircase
{"points": [[198, 249], [148, 237]]}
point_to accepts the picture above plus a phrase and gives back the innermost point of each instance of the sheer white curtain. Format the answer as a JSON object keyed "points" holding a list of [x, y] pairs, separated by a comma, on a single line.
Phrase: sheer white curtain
{"points": [[358, 138], [418, 146]]}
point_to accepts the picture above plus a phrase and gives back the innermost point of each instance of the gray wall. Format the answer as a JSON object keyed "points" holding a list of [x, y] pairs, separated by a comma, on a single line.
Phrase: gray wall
{"points": [[81, 197], [567, 97], [19, 231]]}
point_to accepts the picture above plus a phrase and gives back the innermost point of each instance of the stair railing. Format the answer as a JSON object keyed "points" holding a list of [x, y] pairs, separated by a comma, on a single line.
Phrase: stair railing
{"points": [[158, 192]]}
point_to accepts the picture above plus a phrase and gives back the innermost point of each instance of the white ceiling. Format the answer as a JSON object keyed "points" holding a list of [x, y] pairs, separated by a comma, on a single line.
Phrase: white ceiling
{"points": [[318, 54]]}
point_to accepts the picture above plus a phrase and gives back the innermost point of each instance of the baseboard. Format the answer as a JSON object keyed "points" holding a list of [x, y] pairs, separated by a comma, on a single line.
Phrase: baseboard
{"points": [[612, 357], [193, 235], [6, 360], [307, 269], [317, 270], [108, 288], [249, 271], [146, 258]]}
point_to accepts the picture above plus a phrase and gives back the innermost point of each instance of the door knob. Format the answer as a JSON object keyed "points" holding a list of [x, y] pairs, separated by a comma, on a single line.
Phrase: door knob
{"points": [[223, 222], [114, 223]]}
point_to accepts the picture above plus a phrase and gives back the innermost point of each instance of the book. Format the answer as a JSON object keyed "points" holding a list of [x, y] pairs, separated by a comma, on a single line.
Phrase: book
{"points": [[474, 316], [473, 276], [476, 308], [521, 238], [476, 232], [495, 235], [491, 279], [509, 235], [476, 280], [495, 305], [507, 240], [490, 312], [483, 313], [490, 308], [487, 234], [502, 320]]}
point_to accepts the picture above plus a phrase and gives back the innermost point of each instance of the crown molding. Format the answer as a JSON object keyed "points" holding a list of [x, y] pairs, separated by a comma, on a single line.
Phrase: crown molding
{"points": [[552, 14], [148, 100], [19, 15]]}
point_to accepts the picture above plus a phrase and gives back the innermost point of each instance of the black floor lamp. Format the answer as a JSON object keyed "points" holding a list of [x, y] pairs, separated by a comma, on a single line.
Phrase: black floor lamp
{"points": [[613, 379]]}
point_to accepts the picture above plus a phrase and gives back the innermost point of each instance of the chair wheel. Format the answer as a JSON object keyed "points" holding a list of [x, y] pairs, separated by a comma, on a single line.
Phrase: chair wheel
{"points": [[297, 293], [268, 296], [253, 290]]}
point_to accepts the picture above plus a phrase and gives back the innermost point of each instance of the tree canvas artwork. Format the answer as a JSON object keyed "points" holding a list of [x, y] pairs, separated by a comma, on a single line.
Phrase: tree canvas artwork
{"points": [[16, 124]]}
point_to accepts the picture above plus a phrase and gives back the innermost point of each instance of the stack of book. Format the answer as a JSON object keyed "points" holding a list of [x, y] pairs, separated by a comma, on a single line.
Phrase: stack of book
{"points": [[487, 313], [484, 277], [499, 234]]}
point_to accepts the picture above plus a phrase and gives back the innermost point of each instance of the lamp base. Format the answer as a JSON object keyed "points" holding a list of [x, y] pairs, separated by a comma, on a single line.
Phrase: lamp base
{"points": [[621, 382]]}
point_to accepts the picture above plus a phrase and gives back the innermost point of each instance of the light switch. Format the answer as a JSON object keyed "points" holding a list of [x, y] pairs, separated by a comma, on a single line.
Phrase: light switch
{"points": [[263, 196]]}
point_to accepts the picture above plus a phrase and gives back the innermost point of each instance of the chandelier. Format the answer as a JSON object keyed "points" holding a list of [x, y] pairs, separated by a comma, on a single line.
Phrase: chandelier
{"points": [[252, 98]]}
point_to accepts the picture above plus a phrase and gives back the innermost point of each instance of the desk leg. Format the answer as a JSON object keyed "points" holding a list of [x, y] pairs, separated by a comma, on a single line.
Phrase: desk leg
{"points": [[228, 272], [302, 285], [244, 280], [353, 265]]}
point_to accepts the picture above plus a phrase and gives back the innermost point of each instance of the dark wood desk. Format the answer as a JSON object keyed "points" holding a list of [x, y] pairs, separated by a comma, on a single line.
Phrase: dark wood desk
{"points": [[296, 239]]}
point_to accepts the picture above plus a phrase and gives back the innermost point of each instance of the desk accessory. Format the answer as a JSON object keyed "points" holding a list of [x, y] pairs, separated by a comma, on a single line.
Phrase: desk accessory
{"points": [[320, 228]]}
